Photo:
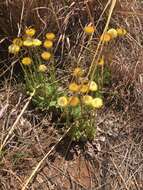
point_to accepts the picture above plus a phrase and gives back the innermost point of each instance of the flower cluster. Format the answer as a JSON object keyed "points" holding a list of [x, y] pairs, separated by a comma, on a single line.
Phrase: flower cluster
{"points": [[107, 36], [28, 40], [112, 33], [36, 53], [83, 94], [79, 90]]}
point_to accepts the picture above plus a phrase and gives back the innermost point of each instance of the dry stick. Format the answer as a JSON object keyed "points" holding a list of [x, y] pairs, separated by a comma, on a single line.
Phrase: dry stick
{"points": [[107, 4], [40, 163], [100, 42], [15, 123], [21, 18]]}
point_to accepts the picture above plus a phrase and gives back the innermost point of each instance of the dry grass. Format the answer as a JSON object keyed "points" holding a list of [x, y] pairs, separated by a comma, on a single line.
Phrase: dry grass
{"points": [[33, 152]]}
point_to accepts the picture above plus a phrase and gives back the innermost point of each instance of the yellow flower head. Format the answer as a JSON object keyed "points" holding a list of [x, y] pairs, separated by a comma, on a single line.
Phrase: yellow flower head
{"points": [[62, 101], [89, 30], [13, 48], [17, 41], [74, 87], [50, 36], [84, 88], [48, 44], [26, 61], [36, 42], [101, 61], [28, 42], [113, 33], [121, 31], [105, 37], [93, 86], [30, 32], [42, 68], [46, 55], [73, 101], [97, 103], [87, 100], [78, 72]]}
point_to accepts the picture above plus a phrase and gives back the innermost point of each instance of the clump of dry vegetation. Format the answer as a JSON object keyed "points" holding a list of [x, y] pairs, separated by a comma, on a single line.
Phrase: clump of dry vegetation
{"points": [[71, 94]]}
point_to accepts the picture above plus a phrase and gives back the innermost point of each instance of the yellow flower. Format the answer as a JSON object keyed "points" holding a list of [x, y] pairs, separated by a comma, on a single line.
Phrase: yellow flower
{"points": [[73, 101], [89, 29], [84, 88], [36, 42], [78, 72], [101, 61], [46, 55], [13, 48], [87, 100], [97, 103], [26, 61], [93, 86], [28, 42], [17, 41], [42, 68], [121, 31], [112, 32], [105, 37], [30, 32], [48, 44], [74, 87], [62, 101], [50, 36]]}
